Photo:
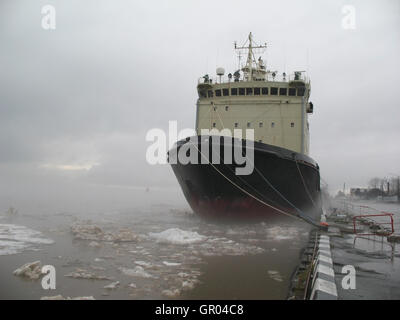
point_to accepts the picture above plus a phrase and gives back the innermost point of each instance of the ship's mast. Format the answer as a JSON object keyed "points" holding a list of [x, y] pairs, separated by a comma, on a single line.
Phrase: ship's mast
{"points": [[250, 56], [248, 69]]}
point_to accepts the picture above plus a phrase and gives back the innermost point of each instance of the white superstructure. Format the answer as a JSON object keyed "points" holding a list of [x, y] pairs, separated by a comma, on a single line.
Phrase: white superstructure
{"points": [[277, 109]]}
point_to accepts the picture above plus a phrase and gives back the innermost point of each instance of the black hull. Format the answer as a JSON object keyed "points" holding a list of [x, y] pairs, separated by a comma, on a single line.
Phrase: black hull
{"points": [[283, 183]]}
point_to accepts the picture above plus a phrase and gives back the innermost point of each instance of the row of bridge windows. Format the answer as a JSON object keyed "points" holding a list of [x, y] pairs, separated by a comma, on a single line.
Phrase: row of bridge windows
{"points": [[260, 124], [273, 91]]}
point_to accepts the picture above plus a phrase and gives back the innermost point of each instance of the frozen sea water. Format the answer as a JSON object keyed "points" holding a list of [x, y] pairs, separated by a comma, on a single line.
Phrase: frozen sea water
{"points": [[177, 236], [16, 238], [175, 255]]}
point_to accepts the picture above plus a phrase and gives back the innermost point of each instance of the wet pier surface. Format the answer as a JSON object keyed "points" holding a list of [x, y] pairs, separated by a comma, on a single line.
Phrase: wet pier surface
{"points": [[375, 259], [377, 266]]}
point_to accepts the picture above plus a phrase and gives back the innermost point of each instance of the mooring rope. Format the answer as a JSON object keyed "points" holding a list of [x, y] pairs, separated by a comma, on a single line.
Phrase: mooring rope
{"points": [[265, 179], [300, 216], [300, 212], [304, 183]]}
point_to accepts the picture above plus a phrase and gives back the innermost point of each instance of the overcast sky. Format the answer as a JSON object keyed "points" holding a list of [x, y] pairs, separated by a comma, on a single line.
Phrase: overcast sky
{"points": [[76, 102]]}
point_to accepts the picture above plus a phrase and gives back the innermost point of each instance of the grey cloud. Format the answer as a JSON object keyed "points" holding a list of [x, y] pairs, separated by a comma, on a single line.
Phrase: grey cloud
{"points": [[90, 89]]}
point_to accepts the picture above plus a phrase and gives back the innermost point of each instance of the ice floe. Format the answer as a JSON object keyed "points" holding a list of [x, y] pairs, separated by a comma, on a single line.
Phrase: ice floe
{"points": [[171, 293], [221, 246], [282, 233], [112, 285], [84, 274], [94, 244], [31, 270], [177, 236], [204, 245], [138, 271], [15, 239], [275, 275], [144, 264], [171, 264], [189, 285], [60, 297], [87, 231]]}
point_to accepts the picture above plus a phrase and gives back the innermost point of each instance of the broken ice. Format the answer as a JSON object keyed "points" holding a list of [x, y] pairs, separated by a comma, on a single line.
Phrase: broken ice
{"points": [[15, 239], [177, 236]]}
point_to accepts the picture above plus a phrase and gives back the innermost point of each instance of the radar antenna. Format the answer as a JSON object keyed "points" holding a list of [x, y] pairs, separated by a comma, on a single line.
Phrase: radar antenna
{"points": [[251, 63]]}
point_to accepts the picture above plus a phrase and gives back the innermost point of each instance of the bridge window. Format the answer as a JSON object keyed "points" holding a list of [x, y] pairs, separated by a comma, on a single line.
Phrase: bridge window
{"points": [[292, 92], [249, 91], [234, 91], [218, 93], [274, 91], [300, 91], [264, 91], [241, 91], [282, 91], [225, 92], [257, 91]]}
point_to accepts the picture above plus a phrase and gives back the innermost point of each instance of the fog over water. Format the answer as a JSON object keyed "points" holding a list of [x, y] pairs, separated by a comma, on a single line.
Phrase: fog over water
{"points": [[76, 102]]}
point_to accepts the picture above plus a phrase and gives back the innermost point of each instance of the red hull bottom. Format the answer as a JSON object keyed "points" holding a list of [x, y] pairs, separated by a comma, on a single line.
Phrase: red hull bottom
{"points": [[248, 209]]}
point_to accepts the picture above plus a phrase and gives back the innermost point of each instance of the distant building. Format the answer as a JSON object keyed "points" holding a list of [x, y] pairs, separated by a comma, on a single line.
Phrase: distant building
{"points": [[359, 192], [366, 193]]}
